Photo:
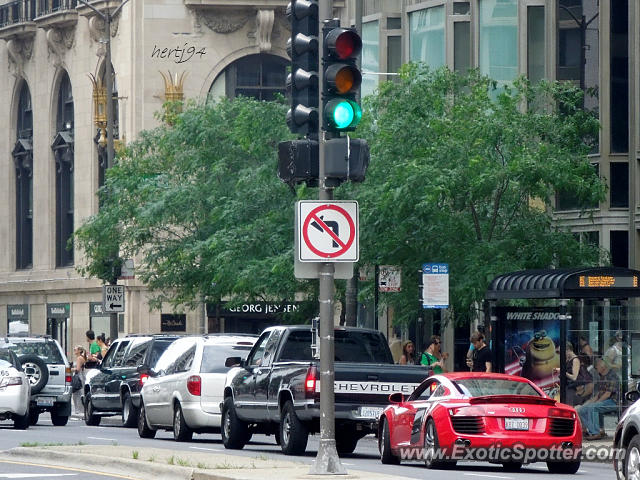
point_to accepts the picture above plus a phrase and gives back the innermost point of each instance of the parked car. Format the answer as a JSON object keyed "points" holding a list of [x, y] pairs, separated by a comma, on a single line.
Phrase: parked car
{"points": [[276, 390], [114, 387], [14, 390], [627, 439], [185, 388], [480, 416], [49, 374]]}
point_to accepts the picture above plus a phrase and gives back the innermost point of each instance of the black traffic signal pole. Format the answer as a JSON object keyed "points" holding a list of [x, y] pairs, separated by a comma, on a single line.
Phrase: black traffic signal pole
{"points": [[327, 460]]}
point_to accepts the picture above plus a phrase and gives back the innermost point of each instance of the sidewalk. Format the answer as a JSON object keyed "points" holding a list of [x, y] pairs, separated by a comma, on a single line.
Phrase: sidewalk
{"points": [[162, 463]]}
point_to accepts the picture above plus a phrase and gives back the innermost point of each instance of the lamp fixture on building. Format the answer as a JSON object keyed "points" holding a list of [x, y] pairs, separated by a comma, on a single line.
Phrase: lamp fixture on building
{"points": [[173, 86], [99, 107]]}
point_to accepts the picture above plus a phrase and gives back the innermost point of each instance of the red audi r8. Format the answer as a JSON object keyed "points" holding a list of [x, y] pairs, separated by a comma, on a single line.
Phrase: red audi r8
{"points": [[489, 417]]}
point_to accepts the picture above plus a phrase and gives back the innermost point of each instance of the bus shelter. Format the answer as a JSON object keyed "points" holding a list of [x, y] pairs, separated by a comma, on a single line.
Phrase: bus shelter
{"points": [[538, 317]]}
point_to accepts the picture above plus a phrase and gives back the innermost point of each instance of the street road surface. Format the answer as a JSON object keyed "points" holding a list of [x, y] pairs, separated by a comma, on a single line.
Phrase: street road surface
{"points": [[365, 458]]}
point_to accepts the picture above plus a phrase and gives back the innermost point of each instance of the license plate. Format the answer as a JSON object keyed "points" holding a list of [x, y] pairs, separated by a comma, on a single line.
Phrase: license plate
{"points": [[45, 401], [516, 423], [370, 412]]}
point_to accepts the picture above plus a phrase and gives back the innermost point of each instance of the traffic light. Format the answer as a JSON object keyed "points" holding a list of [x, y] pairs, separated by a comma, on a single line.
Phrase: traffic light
{"points": [[302, 82], [341, 78], [298, 162]]}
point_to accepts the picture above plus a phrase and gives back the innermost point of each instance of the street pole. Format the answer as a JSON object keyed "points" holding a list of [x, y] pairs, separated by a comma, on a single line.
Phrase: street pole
{"points": [[327, 461], [108, 73]]}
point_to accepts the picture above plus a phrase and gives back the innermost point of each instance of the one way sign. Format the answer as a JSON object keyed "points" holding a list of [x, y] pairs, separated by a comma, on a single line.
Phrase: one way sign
{"points": [[113, 298]]}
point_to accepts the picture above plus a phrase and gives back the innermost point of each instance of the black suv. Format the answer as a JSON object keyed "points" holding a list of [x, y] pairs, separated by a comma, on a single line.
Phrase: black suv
{"points": [[114, 387]]}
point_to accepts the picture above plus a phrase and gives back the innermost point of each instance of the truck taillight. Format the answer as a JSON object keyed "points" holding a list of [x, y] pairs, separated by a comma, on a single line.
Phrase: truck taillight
{"points": [[310, 380], [143, 378], [67, 376], [194, 385]]}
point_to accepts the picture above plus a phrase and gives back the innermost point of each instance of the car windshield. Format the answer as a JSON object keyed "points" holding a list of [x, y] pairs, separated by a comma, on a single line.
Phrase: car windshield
{"points": [[214, 356], [477, 387], [47, 351]]}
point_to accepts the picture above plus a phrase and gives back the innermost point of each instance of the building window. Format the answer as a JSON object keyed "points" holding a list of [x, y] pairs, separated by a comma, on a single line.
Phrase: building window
{"points": [[535, 44], [370, 57], [620, 248], [569, 201], [619, 184], [619, 63], [461, 46], [258, 76], [498, 47], [64, 158], [426, 36], [23, 163], [578, 20]]}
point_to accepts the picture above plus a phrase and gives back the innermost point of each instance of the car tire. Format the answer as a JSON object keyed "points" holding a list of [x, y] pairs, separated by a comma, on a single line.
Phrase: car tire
{"points": [[36, 370], [59, 420], [22, 422], [631, 459], [144, 430], [235, 432], [432, 447], [90, 417], [384, 445], [511, 466], [34, 416], [293, 433], [129, 412], [564, 467], [181, 431]]}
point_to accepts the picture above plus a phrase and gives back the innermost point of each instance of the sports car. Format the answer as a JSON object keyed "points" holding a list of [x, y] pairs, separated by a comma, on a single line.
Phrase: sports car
{"points": [[489, 417]]}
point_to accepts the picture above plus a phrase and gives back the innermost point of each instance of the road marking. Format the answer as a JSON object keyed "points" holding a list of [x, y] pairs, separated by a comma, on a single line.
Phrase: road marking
{"points": [[36, 475], [82, 470], [488, 476], [103, 438], [208, 449], [348, 464]]}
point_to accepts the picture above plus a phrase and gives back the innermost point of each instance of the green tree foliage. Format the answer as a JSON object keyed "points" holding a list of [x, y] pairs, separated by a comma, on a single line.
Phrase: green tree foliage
{"points": [[457, 169], [199, 204]]}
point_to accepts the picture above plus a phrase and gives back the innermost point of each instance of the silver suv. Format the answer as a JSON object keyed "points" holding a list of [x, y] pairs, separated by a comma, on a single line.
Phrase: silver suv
{"points": [[49, 375]]}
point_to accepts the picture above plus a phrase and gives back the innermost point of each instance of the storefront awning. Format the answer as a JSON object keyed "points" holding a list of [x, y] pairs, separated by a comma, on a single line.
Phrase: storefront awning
{"points": [[566, 283]]}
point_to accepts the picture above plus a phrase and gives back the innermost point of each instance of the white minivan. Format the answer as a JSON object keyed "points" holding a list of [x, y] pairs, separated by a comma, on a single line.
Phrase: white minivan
{"points": [[185, 387]]}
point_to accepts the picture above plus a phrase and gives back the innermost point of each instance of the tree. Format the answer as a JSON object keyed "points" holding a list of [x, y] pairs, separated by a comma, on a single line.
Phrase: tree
{"points": [[459, 171], [199, 204]]}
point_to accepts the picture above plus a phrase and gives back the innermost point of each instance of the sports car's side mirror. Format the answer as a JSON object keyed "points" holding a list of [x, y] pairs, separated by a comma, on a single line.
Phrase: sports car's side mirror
{"points": [[632, 396], [396, 397]]}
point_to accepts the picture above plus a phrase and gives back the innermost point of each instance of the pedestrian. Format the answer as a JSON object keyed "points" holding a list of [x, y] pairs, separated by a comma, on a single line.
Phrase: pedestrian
{"points": [[442, 356], [102, 343], [481, 357], [430, 358], [80, 356], [408, 354], [603, 401], [94, 349]]}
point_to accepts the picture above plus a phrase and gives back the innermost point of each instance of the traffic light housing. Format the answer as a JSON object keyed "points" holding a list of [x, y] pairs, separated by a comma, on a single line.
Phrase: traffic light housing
{"points": [[302, 82], [341, 78]]}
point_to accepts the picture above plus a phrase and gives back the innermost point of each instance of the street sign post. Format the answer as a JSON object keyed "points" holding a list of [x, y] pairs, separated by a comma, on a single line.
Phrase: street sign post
{"points": [[327, 231], [113, 298], [435, 285]]}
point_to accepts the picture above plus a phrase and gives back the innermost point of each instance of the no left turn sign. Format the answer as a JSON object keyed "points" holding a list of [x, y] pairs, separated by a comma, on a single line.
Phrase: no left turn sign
{"points": [[328, 231]]}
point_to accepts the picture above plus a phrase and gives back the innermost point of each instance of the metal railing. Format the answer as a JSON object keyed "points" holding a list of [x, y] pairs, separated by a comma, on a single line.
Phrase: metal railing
{"points": [[22, 11]]}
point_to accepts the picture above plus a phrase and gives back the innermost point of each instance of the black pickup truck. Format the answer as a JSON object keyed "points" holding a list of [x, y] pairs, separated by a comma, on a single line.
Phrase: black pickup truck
{"points": [[276, 390]]}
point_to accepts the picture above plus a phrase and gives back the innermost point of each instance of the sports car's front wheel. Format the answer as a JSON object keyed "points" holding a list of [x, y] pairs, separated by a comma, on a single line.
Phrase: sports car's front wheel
{"points": [[384, 444]]}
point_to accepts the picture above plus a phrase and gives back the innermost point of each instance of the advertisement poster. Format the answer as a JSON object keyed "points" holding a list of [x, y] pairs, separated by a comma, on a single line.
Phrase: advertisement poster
{"points": [[531, 336]]}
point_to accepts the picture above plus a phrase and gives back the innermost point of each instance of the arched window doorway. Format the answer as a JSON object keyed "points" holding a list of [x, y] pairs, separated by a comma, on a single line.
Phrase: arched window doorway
{"points": [[63, 153], [23, 163], [258, 76]]}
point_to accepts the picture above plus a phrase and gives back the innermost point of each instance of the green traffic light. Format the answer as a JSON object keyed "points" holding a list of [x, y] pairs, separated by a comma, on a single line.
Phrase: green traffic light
{"points": [[343, 113]]}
